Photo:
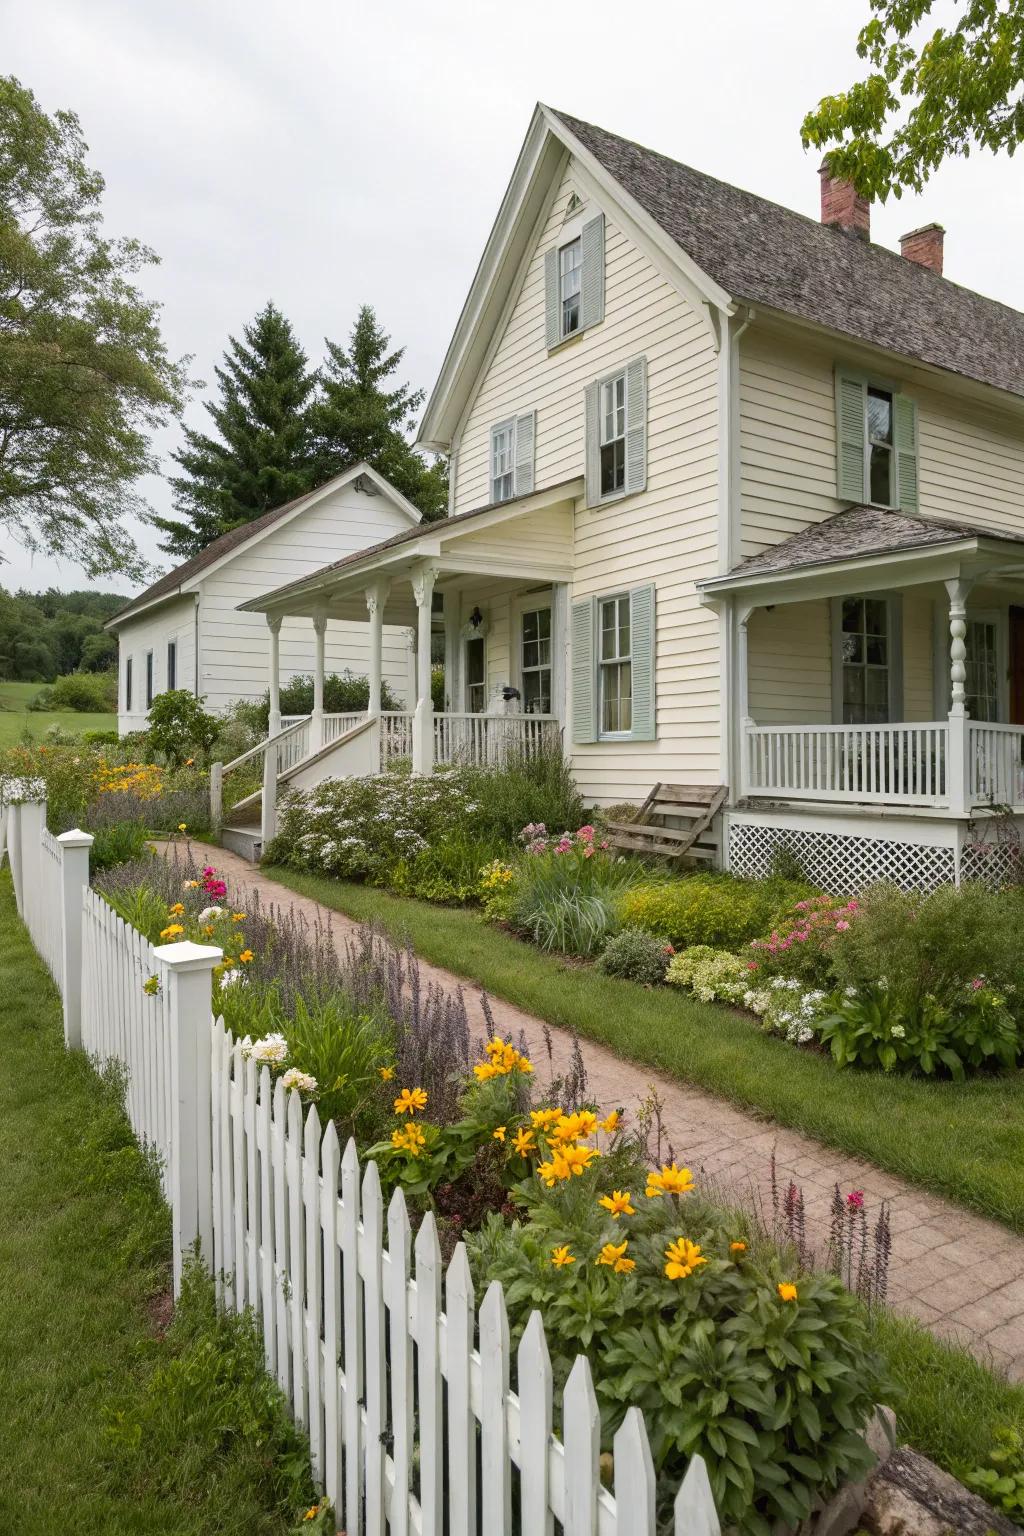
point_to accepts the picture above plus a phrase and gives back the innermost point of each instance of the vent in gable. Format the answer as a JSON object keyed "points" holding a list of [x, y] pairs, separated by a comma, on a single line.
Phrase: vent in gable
{"points": [[573, 206]]}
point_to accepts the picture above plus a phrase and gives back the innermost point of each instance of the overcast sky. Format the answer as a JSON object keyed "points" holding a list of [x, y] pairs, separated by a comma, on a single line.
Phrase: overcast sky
{"points": [[325, 155]]}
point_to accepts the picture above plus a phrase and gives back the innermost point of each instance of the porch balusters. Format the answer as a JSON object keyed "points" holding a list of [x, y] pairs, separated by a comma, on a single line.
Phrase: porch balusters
{"points": [[957, 757], [423, 719]]}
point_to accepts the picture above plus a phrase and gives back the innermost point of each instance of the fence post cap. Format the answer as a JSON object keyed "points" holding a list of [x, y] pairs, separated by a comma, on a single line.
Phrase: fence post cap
{"points": [[187, 956], [76, 838]]}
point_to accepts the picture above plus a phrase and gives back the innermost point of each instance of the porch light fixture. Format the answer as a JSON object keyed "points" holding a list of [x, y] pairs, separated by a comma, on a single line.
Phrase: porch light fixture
{"points": [[475, 626], [476, 619]]}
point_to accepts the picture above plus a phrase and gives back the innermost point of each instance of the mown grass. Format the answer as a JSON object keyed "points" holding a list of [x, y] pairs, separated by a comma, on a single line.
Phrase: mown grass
{"points": [[16, 719], [965, 1141], [110, 1426]]}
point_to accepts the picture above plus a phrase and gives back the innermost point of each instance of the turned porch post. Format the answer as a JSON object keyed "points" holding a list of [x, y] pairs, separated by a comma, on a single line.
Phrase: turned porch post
{"points": [[376, 597], [956, 761], [316, 724], [274, 625], [743, 698], [423, 719]]}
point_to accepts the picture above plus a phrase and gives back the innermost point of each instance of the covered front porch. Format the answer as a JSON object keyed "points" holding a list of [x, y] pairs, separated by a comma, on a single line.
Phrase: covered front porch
{"points": [[889, 676], [484, 597]]}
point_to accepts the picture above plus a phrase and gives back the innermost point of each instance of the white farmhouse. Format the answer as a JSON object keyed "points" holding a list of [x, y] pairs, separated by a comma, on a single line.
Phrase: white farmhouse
{"points": [[187, 630]]}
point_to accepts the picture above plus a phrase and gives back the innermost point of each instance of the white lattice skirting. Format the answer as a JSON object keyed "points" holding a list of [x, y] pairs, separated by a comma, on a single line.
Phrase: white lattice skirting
{"points": [[838, 862]]}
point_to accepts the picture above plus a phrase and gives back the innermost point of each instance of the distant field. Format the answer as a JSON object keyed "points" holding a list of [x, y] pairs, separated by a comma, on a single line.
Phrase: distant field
{"points": [[16, 717]]}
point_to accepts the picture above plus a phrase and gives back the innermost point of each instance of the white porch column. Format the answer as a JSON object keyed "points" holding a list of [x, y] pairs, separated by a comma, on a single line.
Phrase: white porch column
{"points": [[376, 597], [423, 718], [316, 724], [743, 697], [956, 763], [274, 625]]}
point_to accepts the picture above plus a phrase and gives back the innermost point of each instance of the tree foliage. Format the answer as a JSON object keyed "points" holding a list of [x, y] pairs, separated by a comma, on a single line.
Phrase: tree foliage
{"points": [[47, 634], [362, 412], [927, 97], [84, 373], [261, 457]]}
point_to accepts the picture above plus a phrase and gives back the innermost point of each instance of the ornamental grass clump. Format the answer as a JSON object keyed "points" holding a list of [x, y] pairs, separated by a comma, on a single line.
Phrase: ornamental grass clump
{"points": [[568, 889]]}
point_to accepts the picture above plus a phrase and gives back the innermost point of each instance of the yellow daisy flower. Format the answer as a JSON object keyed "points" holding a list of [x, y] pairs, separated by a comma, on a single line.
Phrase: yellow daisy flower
{"points": [[410, 1100], [618, 1204], [560, 1256]]}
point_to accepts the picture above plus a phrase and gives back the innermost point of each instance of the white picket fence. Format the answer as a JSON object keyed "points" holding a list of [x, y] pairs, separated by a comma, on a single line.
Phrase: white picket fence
{"points": [[404, 1386]]}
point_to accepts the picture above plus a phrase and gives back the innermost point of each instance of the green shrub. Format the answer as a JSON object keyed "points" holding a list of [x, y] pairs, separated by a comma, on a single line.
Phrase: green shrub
{"points": [[713, 975], [709, 909], [873, 1028], [179, 726], [100, 738], [569, 900], [117, 843], [344, 694], [447, 871], [635, 955], [530, 788], [89, 693]]}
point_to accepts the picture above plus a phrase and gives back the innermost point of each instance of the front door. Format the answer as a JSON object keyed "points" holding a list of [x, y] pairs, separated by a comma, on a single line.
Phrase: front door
{"points": [[1017, 666]]}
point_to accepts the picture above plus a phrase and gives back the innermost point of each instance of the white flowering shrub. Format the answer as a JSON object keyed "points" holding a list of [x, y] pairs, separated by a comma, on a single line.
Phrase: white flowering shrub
{"points": [[787, 1008], [712, 975], [361, 828]]}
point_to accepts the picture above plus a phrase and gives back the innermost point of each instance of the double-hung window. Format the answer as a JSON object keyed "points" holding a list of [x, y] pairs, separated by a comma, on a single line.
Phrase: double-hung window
{"points": [[866, 660], [570, 283], [881, 457], [149, 678], [172, 664], [536, 661], [876, 443], [128, 685], [503, 461], [613, 434], [476, 675], [615, 666]]}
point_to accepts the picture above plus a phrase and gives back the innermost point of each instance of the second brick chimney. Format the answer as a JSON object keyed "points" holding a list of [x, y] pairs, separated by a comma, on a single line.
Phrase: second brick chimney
{"points": [[924, 246], [843, 206]]}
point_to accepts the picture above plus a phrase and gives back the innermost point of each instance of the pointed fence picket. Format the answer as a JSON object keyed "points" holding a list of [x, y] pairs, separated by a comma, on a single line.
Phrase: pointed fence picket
{"points": [[404, 1386]]}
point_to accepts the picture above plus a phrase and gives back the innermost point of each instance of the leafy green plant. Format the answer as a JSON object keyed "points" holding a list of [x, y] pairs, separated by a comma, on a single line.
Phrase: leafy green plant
{"points": [[708, 909], [875, 1028], [713, 975], [179, 726], [535, 787], [635, 955], [87, 693], [570, 901], [447, 871], [1001, 1479], [344, 694], [117, 843]]}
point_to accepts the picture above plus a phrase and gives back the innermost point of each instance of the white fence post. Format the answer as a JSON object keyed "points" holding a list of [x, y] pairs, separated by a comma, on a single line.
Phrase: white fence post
{"points": [[188, 978], [14, 852], [74, 879], [216, 796], [268, 805]]}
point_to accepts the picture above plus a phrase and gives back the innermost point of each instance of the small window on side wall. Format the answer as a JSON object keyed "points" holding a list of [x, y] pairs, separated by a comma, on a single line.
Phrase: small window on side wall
{"points": [[128, 686], [149, 678], [574, 281], [616, 433], [512, 455], [613, 666], [172, 664]]}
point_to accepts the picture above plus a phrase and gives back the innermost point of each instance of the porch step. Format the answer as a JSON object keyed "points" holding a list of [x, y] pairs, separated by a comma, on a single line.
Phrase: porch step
{"points": [[246, 841], [691, 807]]}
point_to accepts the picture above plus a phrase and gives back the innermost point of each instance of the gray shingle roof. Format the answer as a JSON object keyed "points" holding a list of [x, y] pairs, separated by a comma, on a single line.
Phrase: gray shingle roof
{"points": [[764, 253], [858, 531]]}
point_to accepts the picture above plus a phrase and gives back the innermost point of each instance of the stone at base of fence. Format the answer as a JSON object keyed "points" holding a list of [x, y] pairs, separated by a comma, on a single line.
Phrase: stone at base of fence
{"points": [[841, 1515]]}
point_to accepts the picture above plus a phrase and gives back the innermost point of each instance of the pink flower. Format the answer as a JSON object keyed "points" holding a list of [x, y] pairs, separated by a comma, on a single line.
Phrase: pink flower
{"points": [[586, 833], [855, 1199], [604, 844], [977, 983], [842, 926], [588, 853], [752, 965]]}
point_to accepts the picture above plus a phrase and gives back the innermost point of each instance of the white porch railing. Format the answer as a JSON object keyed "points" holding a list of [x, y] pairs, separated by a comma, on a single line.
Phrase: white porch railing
{"points": [[929, 764], [395, 737], [487, 740], [881, 764]]}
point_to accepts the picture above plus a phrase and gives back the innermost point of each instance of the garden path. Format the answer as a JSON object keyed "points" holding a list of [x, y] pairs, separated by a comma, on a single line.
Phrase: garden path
{"points": [[957, 1272]]}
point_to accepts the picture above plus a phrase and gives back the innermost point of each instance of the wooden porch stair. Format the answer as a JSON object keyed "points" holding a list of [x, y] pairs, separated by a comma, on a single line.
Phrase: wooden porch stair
{"points": [[694, 804]]}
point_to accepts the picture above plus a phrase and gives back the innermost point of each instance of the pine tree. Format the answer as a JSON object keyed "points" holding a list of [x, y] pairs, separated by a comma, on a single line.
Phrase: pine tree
{"points": [[356, 418], [262, 456]]}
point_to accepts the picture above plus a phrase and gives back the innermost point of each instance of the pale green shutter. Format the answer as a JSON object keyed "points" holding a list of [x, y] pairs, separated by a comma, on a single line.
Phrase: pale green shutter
{"points": [[584, 672], [592, 279], [593, 446], [851, 436], [525, 435], [905, 437], [636, 425], [552, 307], [641, 617]]}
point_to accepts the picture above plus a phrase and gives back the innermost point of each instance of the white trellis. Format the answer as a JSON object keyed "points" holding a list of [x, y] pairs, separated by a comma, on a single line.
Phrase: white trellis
{"points": [[420, 1419]]}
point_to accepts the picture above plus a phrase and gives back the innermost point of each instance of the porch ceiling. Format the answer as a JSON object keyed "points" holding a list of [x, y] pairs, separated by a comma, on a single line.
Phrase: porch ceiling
{"points": [[519, 543]]}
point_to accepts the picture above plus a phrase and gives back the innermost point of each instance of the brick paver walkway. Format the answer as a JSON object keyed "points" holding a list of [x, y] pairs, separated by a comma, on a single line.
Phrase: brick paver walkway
{"points": [[957, 1272]]}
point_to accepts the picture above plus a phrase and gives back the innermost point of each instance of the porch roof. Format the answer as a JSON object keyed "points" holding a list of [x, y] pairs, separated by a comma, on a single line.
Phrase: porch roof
{"points": [[884, 547], [525, 540]]}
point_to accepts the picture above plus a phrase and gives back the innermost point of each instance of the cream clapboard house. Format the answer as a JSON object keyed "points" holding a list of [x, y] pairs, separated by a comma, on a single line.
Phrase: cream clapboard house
{"points": [[187, 631], [737, 500]]}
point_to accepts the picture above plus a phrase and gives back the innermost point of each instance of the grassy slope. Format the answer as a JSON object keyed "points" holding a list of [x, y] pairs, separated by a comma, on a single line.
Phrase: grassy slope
{"points": [[966, 1141], [16, 717], [84, 1247]]}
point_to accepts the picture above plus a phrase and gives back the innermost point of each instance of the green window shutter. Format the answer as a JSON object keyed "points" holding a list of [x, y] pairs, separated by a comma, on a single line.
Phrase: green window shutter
{"points": [[641, 617], [592, 280], [525, 435], [584, 672], [636, 425], [905, 437], [851, 436], [552, 308], [593, 447]]}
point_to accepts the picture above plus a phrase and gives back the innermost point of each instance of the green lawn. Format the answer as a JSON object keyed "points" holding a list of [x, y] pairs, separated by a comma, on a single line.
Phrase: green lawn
{"points": [[964, 1141], [110, 1427], [16, 717]]}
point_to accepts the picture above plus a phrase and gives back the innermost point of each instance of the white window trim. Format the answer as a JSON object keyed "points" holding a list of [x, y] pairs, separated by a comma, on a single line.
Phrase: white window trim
{"points": [[883, 387], [481, 635], [529, 602], [129, 685], [599, 601], [940, 656], [896, 662], [622, 373], [510, 425], [149, 679], [172, 648]]}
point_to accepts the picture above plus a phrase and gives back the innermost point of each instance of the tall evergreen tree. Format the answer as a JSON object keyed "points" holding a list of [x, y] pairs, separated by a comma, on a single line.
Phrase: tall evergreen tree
{"points": [[356, 417], [262, 457]]}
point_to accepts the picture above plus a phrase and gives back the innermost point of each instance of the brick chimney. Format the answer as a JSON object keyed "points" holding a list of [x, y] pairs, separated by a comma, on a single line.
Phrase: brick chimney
{"points": [[843, 206], [924, 246]]}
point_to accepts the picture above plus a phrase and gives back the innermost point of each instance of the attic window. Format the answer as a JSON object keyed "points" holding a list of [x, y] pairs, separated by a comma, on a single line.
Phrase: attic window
{"points": [[574, 205]]}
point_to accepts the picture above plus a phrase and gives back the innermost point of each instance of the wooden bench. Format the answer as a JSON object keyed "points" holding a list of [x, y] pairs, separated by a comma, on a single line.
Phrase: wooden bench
{"points": [[695, 804]]}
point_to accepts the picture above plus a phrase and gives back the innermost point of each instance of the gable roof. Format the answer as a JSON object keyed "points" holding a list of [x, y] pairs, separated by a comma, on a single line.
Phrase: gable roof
{"points": [[762, 252], [183, 576], [856, 532], [728, 247]]}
